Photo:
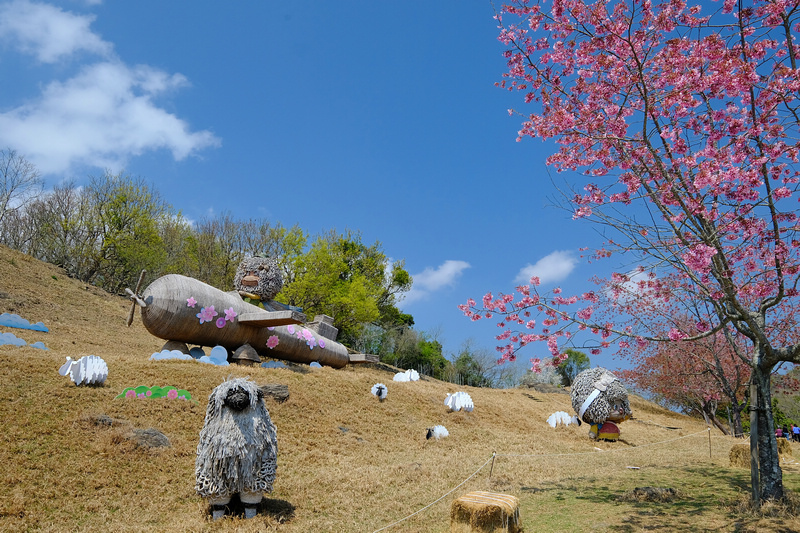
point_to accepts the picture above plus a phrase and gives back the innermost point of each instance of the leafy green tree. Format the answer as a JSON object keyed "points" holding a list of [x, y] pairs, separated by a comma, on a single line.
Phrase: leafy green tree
{"points": [[341, 277], [124, 211], [575, 363], [408, 348]]}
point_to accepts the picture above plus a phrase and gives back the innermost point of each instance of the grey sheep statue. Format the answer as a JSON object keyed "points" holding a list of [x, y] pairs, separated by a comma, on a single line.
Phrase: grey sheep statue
{"points": [[238, 448], [601, 400]]}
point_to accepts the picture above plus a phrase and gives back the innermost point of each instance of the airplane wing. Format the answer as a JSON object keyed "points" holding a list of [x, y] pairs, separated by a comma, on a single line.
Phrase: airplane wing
{"points": [[271, 318]]}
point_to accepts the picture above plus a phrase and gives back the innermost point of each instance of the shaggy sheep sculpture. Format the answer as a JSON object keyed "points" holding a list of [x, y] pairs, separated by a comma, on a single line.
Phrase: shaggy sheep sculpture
{"points": [[258, 280], [599, 397], [238, 448]]}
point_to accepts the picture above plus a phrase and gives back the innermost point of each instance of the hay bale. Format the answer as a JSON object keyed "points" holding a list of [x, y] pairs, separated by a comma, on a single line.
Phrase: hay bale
{"points": [[784, 447], [740, 453], [485, 512]]}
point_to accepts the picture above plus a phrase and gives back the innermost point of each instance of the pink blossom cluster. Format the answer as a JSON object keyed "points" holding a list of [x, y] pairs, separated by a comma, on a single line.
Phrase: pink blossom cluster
{"points": [[687, 110]]}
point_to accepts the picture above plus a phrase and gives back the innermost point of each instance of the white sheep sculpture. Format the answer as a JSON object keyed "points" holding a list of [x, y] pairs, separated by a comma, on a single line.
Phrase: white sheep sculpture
{"points": [[88, 370], [562, 418], [459, 401]]}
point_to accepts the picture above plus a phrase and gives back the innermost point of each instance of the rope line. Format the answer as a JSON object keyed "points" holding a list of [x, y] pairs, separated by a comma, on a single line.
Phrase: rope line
{"points": [[531, 455], [440, 499], [608, 451]]}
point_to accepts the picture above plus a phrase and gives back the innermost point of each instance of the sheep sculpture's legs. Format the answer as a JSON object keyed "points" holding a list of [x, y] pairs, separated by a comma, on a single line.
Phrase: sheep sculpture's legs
{"points": [[250, 500], [218, 507]]}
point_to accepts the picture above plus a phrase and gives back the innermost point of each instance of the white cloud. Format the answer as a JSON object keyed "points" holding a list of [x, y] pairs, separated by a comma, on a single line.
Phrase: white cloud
{"points": [[47, 32], [103, 115], [431, 280], [551, 268]]}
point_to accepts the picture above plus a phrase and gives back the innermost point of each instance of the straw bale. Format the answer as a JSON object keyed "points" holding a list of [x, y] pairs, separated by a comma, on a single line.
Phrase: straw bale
{"points": [[485, 512], [740, 453], [784, 447]]}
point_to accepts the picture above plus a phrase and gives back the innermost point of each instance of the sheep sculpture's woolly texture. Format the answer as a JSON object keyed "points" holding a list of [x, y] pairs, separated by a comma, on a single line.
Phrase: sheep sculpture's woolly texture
{"points": [[238, 447], [610, 402], [260, 276]]}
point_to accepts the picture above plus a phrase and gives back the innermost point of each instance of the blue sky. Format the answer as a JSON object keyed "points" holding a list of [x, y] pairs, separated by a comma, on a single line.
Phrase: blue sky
{"points": [[380, 117]]}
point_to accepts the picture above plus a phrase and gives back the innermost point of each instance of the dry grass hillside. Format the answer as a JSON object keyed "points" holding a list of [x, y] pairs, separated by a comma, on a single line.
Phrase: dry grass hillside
{"points": [[346, 462]]}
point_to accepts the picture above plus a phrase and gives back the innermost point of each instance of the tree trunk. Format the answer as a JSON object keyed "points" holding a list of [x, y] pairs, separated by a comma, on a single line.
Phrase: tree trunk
{"points": [[738, 432], [770, 474]]}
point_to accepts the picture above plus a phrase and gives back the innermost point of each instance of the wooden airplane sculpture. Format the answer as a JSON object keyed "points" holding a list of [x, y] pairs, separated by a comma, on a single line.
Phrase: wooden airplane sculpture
{"points": [[185, 310]]}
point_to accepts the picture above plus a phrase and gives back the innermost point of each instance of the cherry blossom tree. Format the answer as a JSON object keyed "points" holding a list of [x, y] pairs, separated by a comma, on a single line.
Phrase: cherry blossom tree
{"points": [[701, 376], [683, 122]]}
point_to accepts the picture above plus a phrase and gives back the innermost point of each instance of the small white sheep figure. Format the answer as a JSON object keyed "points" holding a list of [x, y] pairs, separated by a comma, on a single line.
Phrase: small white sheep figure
{"points": [[380, 390], [562, 418], [459, 401], [238, 448], [408, 375], [88, 370], [437, 432]]}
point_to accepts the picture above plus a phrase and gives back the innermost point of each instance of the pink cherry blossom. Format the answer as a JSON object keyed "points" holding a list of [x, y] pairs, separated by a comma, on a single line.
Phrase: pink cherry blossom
{"points": [[206, 314], [230, 314], [191, 302], [272, 341]]}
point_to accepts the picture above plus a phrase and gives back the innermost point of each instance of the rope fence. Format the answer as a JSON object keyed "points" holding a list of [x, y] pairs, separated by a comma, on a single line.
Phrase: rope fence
{"points": [[537, 455]]}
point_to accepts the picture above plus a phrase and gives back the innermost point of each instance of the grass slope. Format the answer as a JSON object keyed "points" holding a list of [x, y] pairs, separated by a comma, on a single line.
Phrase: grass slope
{"points": [[346, 461]]}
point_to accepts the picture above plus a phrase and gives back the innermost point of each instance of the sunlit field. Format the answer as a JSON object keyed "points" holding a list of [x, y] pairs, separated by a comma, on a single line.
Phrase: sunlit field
{"points": [[346, 461]]}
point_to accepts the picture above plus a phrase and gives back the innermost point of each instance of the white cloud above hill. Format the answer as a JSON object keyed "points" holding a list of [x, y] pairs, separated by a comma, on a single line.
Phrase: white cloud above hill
{"points": [[103, 115], [431, 280]]}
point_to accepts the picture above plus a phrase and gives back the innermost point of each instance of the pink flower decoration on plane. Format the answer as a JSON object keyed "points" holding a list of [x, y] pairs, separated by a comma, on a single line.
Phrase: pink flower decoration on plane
{"points": [[272, 341], [309, 338], [191, 302], [321, 343], [221, 322], [230, 314], [206, 314], [290, 328]]}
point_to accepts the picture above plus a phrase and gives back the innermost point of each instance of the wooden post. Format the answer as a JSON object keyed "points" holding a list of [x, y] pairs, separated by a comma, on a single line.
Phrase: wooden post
{"points": [[754, 475], [708, 429], [491, 468]]}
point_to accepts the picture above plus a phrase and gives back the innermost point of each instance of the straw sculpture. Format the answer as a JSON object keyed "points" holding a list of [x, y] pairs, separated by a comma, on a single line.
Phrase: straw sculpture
{"points": [[599, 397], [238, 448]]}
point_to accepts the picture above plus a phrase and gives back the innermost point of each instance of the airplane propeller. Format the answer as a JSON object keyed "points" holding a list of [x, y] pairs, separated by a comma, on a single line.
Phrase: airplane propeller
{"points": [[135, 298]]}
